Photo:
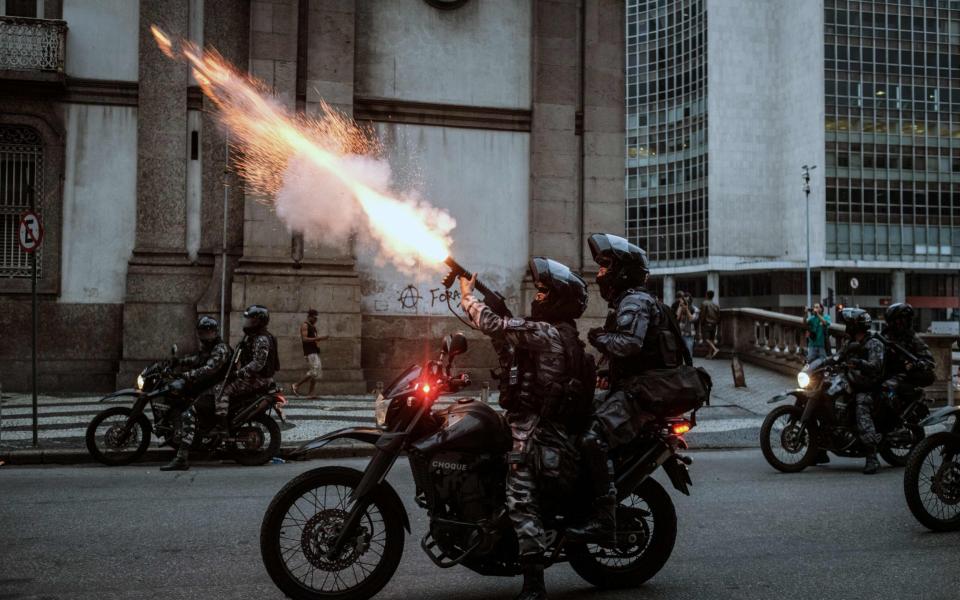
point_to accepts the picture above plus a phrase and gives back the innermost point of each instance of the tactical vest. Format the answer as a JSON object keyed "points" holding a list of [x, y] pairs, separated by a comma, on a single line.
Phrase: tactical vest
{"points": [[273, 358], [662, 348], [567, 399]]}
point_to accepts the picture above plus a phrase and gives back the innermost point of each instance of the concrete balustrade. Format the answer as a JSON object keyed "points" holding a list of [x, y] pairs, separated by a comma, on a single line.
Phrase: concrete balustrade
{"points": [[778, 341]]}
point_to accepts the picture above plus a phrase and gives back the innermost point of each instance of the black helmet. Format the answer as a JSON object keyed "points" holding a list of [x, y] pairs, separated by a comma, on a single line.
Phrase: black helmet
{"points": [[899, 317], [566, 292], [208, 330], [856, 319], [625, 264], [255, 319]]}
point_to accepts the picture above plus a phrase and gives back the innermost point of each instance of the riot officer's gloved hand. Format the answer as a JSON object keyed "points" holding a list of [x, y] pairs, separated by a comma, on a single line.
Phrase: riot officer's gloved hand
{"points": [[178, 386], [594, 334]]}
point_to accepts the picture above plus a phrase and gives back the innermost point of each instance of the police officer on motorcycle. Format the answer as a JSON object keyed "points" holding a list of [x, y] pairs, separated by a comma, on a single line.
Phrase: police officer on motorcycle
{"points": [[258, 361], [637, 337], [542, 388], [909, 363], [202, 370], [864, 355]]}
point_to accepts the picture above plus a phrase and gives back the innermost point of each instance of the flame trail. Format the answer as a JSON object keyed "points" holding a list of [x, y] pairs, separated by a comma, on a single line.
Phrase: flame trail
{"points": [[339, 153]]}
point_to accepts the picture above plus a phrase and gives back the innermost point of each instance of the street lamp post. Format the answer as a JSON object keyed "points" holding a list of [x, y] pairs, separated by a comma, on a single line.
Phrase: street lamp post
{"points": [[806, 190]]}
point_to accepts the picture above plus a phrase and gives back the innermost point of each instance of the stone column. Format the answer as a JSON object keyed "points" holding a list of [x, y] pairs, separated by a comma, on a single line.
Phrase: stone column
{"points": [[275, 270], [899, 287], [669, 289], [713, 283], [603, 119], [162, 283], [554, 144]]}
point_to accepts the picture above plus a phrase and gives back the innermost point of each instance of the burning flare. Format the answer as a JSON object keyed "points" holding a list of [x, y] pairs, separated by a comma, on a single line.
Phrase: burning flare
{"points": [[271, 141]]}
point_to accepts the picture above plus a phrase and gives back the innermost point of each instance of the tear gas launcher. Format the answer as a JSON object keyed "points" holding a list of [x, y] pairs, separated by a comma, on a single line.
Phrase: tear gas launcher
{"points": [[491, 298]]}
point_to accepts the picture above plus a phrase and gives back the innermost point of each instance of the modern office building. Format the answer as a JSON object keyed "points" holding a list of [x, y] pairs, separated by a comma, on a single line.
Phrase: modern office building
{"points": [[728, 99]]}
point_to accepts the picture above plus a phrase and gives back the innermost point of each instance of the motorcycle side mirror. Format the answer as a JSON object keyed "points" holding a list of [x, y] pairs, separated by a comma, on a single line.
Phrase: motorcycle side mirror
{"points": [[454, 344], [173, 350]]}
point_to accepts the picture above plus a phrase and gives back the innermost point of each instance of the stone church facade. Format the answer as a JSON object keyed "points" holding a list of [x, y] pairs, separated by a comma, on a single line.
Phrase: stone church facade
{"points": [[510, 111]]}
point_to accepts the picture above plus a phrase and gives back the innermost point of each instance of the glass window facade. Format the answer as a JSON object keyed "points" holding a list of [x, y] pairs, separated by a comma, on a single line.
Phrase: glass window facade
{"points": [[892, 118], [666, 145]]}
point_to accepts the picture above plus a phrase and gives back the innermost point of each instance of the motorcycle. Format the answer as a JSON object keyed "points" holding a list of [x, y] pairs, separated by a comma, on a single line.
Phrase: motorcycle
{"points": [[822, 418], [931, 481], [336, 532], [121, 435]]}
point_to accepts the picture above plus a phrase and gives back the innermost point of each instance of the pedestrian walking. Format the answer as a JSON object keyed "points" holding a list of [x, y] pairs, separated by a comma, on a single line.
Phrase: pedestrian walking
{"points": [[818, 328], [687, 316], [709, 323], [309, 338]]}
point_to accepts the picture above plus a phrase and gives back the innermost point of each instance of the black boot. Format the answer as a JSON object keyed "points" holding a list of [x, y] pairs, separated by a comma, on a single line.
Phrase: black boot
{"points": [[872, 465], [602, 524], [179, 462], [533, 586], [822, 458]]}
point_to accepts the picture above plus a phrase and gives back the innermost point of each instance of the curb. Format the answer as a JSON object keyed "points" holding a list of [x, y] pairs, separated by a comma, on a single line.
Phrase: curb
{"points": [[79, 456]]}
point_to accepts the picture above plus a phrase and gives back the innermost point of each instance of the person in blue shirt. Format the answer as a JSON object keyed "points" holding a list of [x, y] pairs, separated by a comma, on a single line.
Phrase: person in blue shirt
{"points": [[818, 326]]}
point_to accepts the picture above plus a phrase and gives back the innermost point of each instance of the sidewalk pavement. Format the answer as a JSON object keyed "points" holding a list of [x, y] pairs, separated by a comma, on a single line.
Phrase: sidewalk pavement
{"points": [[731, 421]]}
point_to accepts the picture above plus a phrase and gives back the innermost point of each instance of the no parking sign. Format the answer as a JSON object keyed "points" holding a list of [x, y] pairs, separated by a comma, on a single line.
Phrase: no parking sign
{"points": [[31, 232]]}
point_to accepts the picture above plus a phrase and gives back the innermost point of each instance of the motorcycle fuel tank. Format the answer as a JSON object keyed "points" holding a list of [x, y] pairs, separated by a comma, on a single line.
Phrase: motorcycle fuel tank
{"points": [[468, 426]]}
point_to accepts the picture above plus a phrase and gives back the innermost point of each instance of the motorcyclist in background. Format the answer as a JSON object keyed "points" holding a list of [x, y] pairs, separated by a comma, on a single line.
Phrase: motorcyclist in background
{"points": [[542, 390], [903, 375], [259, 360], [637, 337], [201, 370], [864, 355]]}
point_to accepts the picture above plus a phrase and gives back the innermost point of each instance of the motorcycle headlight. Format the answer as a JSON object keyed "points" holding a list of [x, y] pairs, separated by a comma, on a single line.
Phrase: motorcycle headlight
{"points": [[380, 409], [803, 380], [140, 382]]}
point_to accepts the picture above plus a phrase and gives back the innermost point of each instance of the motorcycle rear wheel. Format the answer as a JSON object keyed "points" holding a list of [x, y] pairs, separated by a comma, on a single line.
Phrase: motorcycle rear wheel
{"points": [[265, 431], [785, 452], [103, 442], [931, 482], [302, 520], [897, 456], [599, 566]]}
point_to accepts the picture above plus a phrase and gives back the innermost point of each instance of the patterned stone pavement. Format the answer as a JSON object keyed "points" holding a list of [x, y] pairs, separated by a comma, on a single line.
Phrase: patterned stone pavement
{"points": [[731, 421]]}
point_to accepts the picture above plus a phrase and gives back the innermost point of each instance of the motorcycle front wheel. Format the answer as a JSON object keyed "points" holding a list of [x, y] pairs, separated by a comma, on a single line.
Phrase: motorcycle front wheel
{"points": [[107, 442], [646, 532], [304, 519], [931, 482], [784, 446]]}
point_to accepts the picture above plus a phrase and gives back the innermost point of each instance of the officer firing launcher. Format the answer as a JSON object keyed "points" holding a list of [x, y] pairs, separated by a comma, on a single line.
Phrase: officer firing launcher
{"points": [[492, 299]]}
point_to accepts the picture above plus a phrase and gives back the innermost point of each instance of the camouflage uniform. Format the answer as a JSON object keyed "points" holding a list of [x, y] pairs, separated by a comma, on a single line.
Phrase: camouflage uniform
{"points": [[543, 454], [866, 372], [203, 370], [258, 360]]}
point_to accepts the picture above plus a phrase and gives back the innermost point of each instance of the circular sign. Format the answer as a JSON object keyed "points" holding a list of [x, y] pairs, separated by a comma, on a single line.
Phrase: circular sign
{"points": [[31, 232], [854, 284]]}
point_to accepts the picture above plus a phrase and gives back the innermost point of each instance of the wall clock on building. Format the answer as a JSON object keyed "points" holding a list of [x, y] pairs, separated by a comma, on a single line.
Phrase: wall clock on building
{"points": [[446, 4]]}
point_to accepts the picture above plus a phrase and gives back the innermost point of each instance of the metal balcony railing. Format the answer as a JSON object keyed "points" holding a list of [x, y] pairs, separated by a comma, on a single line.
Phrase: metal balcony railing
{"points": [[32, 44]]}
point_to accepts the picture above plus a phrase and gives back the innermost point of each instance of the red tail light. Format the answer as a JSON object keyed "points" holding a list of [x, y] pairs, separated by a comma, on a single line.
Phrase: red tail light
{"points": [[426, 388], [280, 399], [680, 428]]}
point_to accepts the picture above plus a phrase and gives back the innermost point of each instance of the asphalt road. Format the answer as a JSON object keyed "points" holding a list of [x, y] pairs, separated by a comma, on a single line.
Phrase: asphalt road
{"points": [[746, 532]]}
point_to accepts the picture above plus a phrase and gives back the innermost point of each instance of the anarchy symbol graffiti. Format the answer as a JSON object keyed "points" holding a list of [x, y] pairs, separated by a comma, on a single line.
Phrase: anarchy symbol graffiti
{"points": [[409, 297]]}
